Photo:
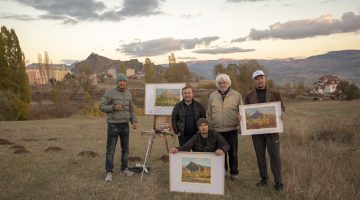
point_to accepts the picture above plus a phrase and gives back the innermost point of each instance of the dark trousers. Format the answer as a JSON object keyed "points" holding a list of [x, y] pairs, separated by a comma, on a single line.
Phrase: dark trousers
{"points": [[232, 139], [272, 143], [114, 131]]}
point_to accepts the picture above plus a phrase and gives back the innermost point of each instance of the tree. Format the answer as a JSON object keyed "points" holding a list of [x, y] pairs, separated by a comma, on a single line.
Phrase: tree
{"points": [[347, 91], [149, 70], [14, 83], [122, 68]]}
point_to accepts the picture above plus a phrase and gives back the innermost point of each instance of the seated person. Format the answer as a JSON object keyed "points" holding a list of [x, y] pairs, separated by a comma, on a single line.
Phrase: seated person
{"points": [[205, 140]]}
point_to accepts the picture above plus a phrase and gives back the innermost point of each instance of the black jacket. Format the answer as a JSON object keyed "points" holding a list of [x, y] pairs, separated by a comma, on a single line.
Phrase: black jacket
{"points": [[178, 115], [213, 142]]}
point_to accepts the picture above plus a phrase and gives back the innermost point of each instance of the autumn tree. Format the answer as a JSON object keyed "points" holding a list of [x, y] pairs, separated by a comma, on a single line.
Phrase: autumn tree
{"points": [[122, 68], [14, 83], [347, 91], [149, 70]]}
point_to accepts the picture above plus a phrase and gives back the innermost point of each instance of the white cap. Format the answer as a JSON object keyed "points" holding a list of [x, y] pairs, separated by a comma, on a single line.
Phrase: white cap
{"points": [[258, 73]]}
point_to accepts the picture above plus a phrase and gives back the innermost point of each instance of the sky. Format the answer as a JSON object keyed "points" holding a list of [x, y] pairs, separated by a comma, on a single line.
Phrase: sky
{"points": [[70, 30]]}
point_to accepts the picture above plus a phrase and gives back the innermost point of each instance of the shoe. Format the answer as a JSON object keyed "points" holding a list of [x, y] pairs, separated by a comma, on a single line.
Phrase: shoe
{"points": [[108, 177], [234, 177], [126, 172], [278, 187], [262, 182]]}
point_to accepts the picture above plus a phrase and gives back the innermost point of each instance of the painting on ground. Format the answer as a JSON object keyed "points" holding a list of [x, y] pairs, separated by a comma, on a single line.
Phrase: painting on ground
{"points": [[197, 172]]}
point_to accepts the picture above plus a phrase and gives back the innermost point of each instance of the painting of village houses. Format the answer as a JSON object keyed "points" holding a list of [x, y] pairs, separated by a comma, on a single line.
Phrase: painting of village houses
{"points": [[261, 118], [196, 170], [166, 97]]}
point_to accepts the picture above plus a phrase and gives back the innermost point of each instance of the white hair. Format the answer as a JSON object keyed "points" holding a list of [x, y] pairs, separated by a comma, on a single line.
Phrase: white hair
{"points": [[222, 77]]}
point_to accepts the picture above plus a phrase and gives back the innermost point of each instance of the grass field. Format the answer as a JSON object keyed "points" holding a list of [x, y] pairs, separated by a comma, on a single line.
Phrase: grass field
{"points": [[320, 158]]}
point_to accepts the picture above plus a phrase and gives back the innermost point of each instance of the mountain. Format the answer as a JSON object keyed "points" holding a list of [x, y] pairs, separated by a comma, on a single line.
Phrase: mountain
{"points": [[101, 64], [345, 64]]}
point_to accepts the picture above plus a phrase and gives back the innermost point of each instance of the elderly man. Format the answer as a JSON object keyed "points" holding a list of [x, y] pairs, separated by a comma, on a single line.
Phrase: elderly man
{"points": [[185, 115], [262, 94], [222, 113], [118, 105], [206, 140]]}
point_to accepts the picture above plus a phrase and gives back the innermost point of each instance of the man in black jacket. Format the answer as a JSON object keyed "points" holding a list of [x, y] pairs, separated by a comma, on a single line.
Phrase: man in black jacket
{"points": [[185, 115], [206, 140], [271, 141]]}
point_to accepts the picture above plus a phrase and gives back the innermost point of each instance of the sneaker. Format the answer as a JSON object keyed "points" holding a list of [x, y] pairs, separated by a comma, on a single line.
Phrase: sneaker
{"points": [[278, 187], [126, 172], [234, 177], [108, 177], [262, 182]]}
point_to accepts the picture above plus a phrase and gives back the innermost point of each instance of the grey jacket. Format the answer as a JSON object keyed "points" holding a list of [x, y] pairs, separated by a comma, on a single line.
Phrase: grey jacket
{"points": [[122, 97]]}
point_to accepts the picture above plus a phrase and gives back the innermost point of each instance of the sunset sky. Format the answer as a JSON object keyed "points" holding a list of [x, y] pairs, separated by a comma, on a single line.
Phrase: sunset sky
{"points": [[70, 30]]}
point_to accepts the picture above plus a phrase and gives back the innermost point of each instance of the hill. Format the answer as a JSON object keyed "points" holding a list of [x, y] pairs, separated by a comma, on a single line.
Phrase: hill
{"points": [[345, 64]]}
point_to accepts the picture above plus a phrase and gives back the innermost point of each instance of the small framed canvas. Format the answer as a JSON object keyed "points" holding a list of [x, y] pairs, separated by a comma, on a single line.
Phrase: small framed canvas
{"points": [[261, 118], [160, 98], [197, 172]]}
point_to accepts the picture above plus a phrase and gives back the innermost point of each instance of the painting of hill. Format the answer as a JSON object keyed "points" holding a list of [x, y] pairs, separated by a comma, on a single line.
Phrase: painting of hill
{"points": [[195, 170], [258, 118], [166, 97]]}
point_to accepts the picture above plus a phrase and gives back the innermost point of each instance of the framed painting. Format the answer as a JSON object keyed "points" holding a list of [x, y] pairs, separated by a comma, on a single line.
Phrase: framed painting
{"points": [[197, 172], [160, 98], [261, 118]]}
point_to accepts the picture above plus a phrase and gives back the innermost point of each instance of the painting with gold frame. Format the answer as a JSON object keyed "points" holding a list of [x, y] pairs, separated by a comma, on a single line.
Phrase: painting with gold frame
{"points": [[261, 118], [197, 172]]}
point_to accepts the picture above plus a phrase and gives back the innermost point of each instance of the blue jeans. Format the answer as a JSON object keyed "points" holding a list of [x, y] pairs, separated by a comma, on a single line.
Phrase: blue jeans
{"points": [[115, 130]]}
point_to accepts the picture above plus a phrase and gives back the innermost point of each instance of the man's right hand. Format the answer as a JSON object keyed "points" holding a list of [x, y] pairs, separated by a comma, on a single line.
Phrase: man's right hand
{"points": [[174, 150], [117, 107]]}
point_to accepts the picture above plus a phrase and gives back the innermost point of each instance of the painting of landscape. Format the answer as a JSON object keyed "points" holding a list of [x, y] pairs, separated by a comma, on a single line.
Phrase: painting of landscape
{"points": [[263, 117], [167, 97], [196, 170]]}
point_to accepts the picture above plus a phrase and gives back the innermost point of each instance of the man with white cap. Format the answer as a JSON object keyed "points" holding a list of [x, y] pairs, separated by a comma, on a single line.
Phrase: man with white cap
{"points": [[263, 94], [118, 105]]}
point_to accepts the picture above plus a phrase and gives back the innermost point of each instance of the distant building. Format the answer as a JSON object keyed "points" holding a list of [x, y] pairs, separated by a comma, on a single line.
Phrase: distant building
{"points": [[130, 73], [112, 72], [326, 85], [40, 74]]}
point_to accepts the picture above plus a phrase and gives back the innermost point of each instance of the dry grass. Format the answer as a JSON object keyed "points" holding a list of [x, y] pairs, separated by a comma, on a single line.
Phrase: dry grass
{"points": [[318, 162]]}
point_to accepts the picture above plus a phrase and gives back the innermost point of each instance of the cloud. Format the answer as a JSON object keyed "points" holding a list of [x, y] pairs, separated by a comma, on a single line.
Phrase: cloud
{"points": [[164, 45], [241, 39], [187, 58], [141, 7], [74, 11], [221, 50], [17, 17], [237, 1], [296, 29]]}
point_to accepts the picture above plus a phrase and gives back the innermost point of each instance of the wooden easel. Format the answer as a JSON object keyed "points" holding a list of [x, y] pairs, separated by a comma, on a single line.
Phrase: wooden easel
{"points": [[162, 127]]}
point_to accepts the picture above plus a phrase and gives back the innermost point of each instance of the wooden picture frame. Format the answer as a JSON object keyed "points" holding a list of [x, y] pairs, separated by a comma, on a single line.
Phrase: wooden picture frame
{"points": [[160, 98], [197, 172], [261, 118]]}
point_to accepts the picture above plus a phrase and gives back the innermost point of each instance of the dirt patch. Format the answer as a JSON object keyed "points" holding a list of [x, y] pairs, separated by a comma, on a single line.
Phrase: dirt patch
{"points": [[89, 154], [5, 142], [135, 159], [52, 139], [164, 158], [53, 149], [21, 151], [28, 140], [17, 147]]}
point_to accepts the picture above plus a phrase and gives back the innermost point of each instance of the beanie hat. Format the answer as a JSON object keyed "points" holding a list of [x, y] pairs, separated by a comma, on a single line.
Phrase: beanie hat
{"points": [[121, 77], [202, 120]]}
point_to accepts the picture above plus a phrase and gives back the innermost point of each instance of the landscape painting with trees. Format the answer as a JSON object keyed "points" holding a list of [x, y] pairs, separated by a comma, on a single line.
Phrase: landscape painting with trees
{"points": [[195, 170]]}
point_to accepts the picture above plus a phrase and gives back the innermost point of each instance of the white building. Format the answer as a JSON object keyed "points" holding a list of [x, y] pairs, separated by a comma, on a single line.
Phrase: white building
{"points": [[326, 85]]}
